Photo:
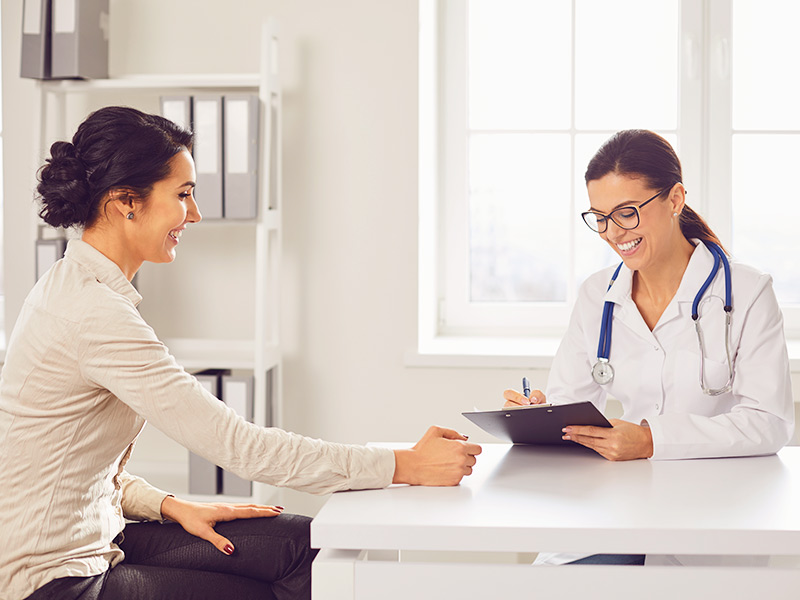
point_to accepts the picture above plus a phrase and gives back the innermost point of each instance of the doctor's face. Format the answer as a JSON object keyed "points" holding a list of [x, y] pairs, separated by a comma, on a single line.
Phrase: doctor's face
{"points": [[652, 241]]}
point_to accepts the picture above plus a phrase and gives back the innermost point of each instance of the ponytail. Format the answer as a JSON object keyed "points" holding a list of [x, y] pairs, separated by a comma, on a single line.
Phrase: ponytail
{"points": [[693, 226]]}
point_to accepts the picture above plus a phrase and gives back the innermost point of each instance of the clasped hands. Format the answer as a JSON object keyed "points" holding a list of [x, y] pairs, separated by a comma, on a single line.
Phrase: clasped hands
{"points": [[622, 441]]}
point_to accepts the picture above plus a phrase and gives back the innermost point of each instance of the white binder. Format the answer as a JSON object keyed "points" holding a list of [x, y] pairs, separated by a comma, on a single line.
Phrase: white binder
{"points": [[240, 124], [35, 39], [237, 392], [207, 124], [79, 46], [177, 109]]}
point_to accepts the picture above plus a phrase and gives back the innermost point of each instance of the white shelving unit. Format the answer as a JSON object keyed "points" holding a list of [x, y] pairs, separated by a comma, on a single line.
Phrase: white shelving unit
{"points": [[262, 352]]}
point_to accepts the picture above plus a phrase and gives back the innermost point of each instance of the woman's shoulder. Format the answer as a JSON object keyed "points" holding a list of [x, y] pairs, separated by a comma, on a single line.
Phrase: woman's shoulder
{"points": [[70, 291]]}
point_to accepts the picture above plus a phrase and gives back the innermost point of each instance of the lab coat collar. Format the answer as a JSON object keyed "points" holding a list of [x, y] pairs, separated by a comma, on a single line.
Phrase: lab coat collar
{"points": [[622, 289], [697, 270], [104, 269], [700, 264]]}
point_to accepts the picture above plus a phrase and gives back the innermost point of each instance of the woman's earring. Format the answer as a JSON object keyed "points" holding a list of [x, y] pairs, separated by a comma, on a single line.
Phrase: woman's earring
{"points": [[130, 216], [673, 214]]}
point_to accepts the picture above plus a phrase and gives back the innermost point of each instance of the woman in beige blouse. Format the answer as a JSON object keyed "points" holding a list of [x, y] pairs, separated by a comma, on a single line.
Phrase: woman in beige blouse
{"points": [[84, 372]]}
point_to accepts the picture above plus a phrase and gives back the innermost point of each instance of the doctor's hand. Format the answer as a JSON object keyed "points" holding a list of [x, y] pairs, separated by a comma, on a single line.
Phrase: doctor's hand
{"points": [[441, 457], [514, 398], [199, 518], [622, 441]]}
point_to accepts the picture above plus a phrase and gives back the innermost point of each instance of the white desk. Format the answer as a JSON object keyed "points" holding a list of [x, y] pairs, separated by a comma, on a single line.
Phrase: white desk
{"points": [[523, 499]]}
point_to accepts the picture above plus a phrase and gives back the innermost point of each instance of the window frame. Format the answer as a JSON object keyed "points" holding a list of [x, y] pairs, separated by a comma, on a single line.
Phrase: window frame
{"points": [[704, 145]]}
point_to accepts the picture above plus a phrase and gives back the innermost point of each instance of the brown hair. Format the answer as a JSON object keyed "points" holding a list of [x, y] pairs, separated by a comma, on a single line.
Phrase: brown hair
{"points": [[116, 147], [642, 153]]}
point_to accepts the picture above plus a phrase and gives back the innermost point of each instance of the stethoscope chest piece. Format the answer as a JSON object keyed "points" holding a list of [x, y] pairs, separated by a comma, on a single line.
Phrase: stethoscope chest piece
{"points": [[603, 372]]}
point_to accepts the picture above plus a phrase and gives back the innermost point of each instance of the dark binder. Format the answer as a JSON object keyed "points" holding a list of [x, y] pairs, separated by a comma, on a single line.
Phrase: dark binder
{"points": [[205, 478], [237, 393], [35, 63], [177, 109], [207, 152], [79, 47], [240, 151]]}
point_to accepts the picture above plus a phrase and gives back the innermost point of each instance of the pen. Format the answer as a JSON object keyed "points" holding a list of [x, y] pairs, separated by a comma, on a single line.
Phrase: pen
{"points": [[526, 387]]}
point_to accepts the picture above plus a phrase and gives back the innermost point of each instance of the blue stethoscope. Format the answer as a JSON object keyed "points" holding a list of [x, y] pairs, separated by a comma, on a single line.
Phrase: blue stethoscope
{"points": [[603, 372]]}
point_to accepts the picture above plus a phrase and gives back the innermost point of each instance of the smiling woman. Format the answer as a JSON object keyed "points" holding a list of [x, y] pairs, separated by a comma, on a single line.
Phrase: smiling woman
{"points": [[696, 340], [84, 372], [133, 199]]}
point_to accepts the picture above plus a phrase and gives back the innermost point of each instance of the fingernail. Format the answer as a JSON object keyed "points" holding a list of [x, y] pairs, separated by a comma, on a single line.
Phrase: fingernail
{"points": [[465, 436], [565, 437], [280, 508], [565, 430], [228, 549]]}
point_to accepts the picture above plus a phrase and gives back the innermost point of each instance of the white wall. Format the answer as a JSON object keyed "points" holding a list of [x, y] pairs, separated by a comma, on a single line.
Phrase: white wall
{"points": [[350, 190]]}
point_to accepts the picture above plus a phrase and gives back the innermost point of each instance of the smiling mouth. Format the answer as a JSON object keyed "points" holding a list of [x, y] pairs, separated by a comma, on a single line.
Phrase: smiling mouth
{"points": [[629, 245], [176, 234]]}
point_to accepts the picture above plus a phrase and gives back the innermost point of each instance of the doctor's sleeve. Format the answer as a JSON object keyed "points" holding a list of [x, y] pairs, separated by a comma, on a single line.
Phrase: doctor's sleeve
{"points": [[761, 420]]}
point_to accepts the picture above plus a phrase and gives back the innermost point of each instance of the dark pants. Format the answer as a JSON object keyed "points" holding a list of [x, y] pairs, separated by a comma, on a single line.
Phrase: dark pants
{"points": [[272, 560], [610, 559]]}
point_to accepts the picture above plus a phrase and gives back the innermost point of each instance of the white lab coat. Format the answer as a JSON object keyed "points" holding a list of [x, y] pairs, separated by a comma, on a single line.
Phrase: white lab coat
{"points": [[657, 373]]}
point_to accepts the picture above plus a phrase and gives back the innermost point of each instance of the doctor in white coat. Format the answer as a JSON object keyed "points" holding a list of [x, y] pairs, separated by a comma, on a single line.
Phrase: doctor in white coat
{"points": [[740, 403]]}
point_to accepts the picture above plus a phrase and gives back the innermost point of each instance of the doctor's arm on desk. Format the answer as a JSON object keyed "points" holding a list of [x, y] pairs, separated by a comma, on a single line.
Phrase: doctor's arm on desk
{"points": [[623, 441]]}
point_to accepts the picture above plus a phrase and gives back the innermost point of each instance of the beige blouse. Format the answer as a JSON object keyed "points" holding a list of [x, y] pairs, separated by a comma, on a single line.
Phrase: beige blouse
{"points": [[83, 373]]}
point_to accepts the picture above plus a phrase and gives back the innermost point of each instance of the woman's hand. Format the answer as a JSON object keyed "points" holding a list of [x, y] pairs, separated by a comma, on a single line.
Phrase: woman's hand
{"points": [[441, 457], [514, 398], [199, 518], [622, 441]]}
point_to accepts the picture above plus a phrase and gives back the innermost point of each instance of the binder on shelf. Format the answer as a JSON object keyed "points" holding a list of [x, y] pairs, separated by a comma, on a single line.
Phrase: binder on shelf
{"points": [[79, 46], [204, 476], [207, 122], [237, 392], [271, 144], [48, 252], [240, 125], [35, 63], [177, 109], [271, 381]]}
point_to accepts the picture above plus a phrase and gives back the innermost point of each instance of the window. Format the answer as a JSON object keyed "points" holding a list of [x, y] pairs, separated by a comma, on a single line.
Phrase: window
{"points": [[765, 139], [527, 90]]}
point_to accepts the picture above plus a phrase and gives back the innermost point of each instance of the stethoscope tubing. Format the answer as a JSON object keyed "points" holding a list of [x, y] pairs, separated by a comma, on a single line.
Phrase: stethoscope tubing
{"points": [[604, 343]]}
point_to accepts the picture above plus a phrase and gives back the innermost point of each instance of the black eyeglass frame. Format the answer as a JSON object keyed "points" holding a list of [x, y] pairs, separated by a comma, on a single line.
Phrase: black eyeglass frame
{"points": [[636, 209]]}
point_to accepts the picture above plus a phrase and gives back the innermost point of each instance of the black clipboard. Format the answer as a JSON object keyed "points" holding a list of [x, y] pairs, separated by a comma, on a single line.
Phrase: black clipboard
{"points": [[537, 423]]}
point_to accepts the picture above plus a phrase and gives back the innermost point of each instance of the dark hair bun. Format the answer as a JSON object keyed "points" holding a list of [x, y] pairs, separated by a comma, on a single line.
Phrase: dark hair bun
{"points": [[63, 188], [115, 147]]}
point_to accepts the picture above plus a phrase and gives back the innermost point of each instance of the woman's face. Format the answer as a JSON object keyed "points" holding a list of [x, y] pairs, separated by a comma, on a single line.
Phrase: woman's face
{"points": [[653, 240], [162, 218]]}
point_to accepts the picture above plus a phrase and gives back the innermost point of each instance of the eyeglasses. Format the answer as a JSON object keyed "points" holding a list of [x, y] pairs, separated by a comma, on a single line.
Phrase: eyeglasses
{"points": [[626, 217]]}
